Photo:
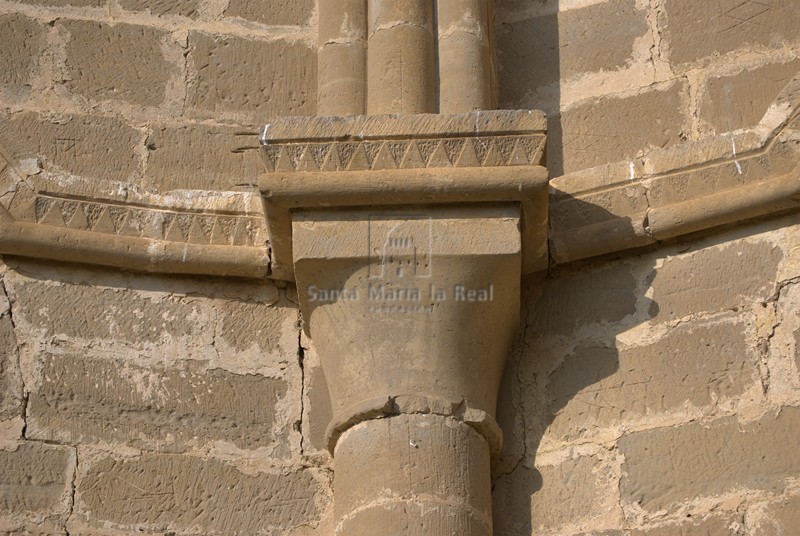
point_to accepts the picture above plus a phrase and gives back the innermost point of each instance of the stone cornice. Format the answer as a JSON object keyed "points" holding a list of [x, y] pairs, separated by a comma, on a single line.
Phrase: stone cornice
{"points": [[687, 188]]}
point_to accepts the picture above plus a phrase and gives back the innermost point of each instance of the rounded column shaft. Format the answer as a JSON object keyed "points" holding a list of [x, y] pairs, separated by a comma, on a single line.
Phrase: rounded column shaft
{"points": [[467, 69], [342, 59], [412, 475], [401, 75]]}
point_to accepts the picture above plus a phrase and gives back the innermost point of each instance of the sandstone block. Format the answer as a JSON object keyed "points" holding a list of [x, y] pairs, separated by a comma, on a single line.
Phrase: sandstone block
{"points": [[694, 365], [91, 146], [715, 278], [272, 12], [202, 157], [317, 406], [697, 30], [10, 381], [609, 129], [81, 399], [252, 80], [714, 526], [575, 298], [121, 62], [545, 500], [540, 51], [666, 466], [36, 478], [778, 519], [23, 41], [192, 495], [740, 101], [65, 3], [797, 351], [184, 8]]}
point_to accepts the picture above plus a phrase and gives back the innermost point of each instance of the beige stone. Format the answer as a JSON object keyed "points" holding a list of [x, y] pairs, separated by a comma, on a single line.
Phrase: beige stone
{"points": [[444, 471], [400, 58], [537, 52], [188, 494], [36, 478], [23, 42], [317, 407], [10, 380], [740, 101], [184, 8], [695, 366], [251, 80], [667, 466], [122, 62], [548, 498], [696, 31], [778, 519], [797, 351], [202, 157], [64, 3], [653, 118], [88, 145], [84, 400], [715, 278], [297, 12]]}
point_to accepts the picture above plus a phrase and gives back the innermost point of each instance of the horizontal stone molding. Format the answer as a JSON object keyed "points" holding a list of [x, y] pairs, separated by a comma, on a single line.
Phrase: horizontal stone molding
{"points": [[668, 193]]}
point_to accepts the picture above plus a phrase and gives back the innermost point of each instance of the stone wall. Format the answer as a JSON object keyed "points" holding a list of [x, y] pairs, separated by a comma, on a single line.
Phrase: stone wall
{"points": [[655, 394]]}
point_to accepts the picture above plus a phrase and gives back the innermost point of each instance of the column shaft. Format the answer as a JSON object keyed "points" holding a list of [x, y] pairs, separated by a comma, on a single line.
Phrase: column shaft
{"points": [[467, 70], [401, 74], [342, 60], [412, 475]]}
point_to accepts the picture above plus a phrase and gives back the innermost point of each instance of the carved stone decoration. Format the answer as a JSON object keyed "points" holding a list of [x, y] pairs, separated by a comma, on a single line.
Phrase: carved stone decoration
{"points": [[407, 237]]}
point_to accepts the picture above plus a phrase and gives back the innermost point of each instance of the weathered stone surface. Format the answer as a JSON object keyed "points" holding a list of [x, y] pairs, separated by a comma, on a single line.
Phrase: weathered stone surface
{"points": [[95, 313], [253, 80], [318, 407], [725, 276], [533, 501], [272, 12], [193, 495], [184, 8], [739, 101], [202, 157], [35, 478], [696, 30], [541, 51], [599, 387], [10, 384], [81, 399], [64, 3], [668, 465], [613, 128], [121, 62], [778, 519], [87, 145], [575, 298], [723, 525], [23, 39], [797, 351]]}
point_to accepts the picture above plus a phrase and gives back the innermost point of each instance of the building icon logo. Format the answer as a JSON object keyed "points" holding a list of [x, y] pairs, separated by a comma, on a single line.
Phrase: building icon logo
{"points": [[400, 248]]}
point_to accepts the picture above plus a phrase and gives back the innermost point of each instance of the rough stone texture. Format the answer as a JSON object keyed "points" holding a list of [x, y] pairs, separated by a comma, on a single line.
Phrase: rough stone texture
{"points": [[121, 62], [715, 278], [65, 3], [696, 30], [35, 478], [272, 12], [251, 80], [91, 146], [193, 495], [777, 519], [184, 8], [617, 128], [729, 525], [23, 39], [695, 366], [80, 400], [666, 466], [797, 352], [550, 497], [599, 37], [10, 386], [202, 157], [738, 101]]}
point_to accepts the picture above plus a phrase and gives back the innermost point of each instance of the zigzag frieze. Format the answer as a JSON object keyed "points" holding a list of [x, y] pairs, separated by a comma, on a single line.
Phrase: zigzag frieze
{"points": [[158, 223], [392, 153]]}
